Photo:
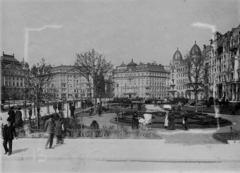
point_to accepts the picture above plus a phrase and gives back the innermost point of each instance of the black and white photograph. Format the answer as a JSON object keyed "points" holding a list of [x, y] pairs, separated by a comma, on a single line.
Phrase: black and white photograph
{"points": [[120, 86]]}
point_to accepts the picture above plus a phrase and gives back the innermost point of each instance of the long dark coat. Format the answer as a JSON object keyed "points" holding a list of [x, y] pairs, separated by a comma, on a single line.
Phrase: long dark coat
{"points": [[171, 121], [8, 132], [135, 124], [18, 117], [59, 106], [58, 127], [11, 114]]}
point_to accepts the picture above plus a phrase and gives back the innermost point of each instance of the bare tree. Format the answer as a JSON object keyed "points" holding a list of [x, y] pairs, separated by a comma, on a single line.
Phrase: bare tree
{"points": [[40, 77], [92, 66], [196, 72]]}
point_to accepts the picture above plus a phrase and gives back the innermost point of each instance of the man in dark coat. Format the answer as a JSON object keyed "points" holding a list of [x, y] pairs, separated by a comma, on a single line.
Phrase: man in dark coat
{"points": [[135, 124], [8, 134], [59, 128], [11, 114], [59, 106], [99, 107], [72, 109], [49, 127], [18, 117]]}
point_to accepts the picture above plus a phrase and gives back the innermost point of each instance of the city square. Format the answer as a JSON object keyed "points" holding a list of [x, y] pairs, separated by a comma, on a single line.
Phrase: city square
{"points": [[120, 86]]}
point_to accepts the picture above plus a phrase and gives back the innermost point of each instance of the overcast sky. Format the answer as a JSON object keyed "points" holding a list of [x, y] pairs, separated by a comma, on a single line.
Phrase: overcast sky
{"points": [[142, 30]]}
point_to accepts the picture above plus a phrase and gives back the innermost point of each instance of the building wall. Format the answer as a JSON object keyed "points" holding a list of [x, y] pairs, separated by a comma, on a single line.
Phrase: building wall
{"points": [[69, 83], [13, 77], [223, 61], [143, 80]]}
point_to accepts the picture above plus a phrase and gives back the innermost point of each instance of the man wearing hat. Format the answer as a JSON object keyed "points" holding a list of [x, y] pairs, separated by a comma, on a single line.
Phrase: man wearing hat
{"points": [[18, 117], [49, 127], [11, 114], [8, 134]]}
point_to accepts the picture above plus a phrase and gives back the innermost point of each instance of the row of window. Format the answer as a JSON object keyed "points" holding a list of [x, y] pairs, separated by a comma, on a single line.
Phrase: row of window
{"points": [[13, 84], [140, 74]]}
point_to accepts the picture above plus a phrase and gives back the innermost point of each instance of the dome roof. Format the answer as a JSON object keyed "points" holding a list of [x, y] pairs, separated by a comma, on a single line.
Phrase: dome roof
{"points": [[123, 65], [132, 63], [177, 56], [195, 50], [24, 64]]}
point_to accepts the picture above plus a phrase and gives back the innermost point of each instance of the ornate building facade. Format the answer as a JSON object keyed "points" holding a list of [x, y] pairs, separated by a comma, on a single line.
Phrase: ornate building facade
{"points": [[140, 80], [223, 64], [13, 77], [179, 78], [69, 84]]}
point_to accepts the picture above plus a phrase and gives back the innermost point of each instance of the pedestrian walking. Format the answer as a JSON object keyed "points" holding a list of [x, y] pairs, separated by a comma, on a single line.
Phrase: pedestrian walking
{"points": [[59, 106], [184, 120], [55, 107], [11, 114], [72, 109], [18, 117], [171, 120], [49, 127], [135, 123], [59, 128], [166, 120], [8, 134], [99, 108]]}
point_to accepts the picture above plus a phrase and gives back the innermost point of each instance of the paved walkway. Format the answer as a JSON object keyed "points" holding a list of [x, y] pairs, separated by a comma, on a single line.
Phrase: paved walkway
{"points": [[122, 150]]}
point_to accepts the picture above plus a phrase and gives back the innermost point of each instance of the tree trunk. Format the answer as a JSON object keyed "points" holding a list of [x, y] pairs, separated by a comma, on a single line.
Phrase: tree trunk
{"points": [[196, 99]]}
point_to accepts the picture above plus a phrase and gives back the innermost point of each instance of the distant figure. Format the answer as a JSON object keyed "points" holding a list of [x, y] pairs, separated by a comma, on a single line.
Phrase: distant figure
{"points": [[59, 106], [30, 112], [82, 104], [18, 117], [99, 108], [91, 112], [8, 134], [135, 124], [55, 107], [59, 128], [171, 120], [185, 119], [166, 120], [139, 106], [11, 114], [49, 127], [72, 109], [131, 105]]}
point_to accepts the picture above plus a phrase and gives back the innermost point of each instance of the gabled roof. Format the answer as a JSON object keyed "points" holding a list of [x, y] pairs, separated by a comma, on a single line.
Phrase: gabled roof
{"points": [[9, 59]]}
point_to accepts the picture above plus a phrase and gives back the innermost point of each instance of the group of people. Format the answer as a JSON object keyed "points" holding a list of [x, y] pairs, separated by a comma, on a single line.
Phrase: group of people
{"points": [[54, 126], [59, 106], [169, 122], [8, 130], [16, 116]]}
